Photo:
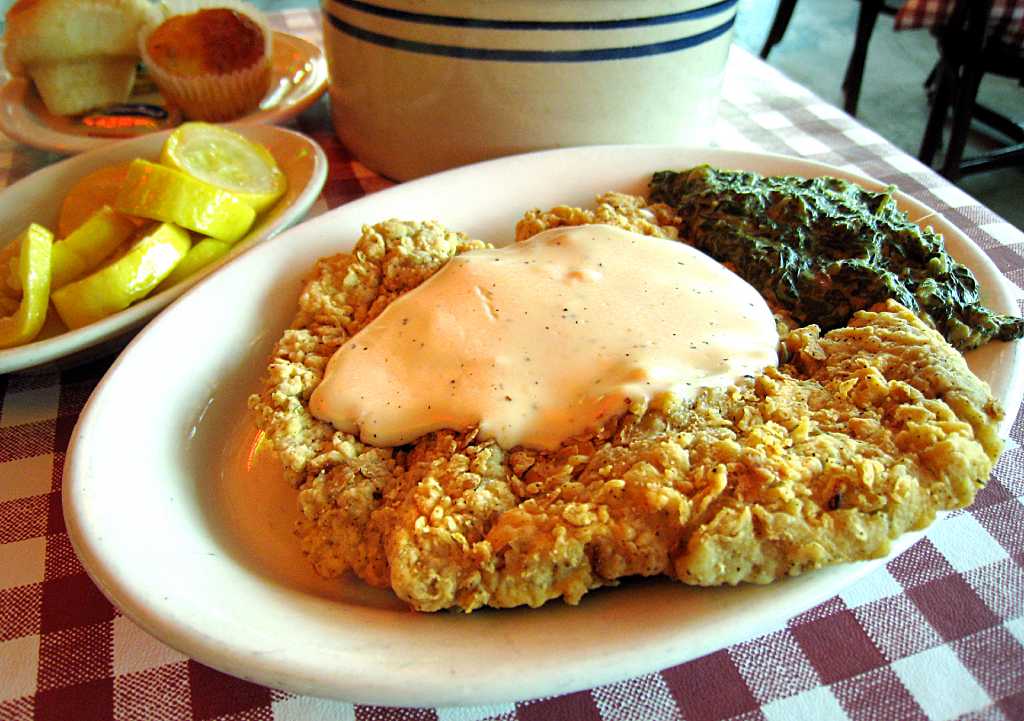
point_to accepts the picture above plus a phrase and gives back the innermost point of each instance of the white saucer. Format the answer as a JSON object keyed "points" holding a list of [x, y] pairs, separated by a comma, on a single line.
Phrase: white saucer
{"points": [[299, 78]]}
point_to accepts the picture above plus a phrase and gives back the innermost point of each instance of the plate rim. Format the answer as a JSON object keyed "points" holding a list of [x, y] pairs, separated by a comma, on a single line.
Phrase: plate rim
{"points": [[72, 342], [268, 670], [19, 124]]}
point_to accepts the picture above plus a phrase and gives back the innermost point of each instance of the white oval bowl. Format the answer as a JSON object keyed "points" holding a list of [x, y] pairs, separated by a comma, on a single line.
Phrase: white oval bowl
{"points": [[37, 199], [418, 86], [191, 537]]}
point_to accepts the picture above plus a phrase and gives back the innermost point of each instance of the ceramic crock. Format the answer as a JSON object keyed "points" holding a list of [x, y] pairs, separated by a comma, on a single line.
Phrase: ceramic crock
{"points": [[417, 86]]}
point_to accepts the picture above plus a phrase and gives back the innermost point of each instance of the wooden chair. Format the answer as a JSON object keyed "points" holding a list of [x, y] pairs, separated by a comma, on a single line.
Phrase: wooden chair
{"points": [[866, 18], [968, 49]]}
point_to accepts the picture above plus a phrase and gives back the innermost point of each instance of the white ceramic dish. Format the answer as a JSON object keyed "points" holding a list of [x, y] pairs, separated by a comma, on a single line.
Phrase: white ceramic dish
{"points": [[37, 198], [299, 78], [188, 531]]}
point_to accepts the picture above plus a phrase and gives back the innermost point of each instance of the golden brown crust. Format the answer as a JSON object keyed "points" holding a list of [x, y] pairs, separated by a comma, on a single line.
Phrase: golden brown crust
{"points": [[210, 41], [630, 212], [861, 435]]}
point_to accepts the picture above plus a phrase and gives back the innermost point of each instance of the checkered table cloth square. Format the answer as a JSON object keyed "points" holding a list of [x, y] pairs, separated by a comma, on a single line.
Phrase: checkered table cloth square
{"points": [[937, 633], [1006, 14]]}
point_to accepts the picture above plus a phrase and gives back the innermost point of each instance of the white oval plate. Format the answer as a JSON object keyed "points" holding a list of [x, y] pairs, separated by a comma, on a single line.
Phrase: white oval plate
{"points": [[37, 198], [189, 533], [298, 79]]}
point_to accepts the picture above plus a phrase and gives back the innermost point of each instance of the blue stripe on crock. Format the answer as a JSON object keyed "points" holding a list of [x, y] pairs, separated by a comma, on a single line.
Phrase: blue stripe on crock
{"points": [[451, 21], [533, 56]]}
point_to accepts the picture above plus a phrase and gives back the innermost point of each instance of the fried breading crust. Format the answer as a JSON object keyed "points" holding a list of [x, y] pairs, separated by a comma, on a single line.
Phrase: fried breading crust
{"points": [[859, 436], [630, 212]]}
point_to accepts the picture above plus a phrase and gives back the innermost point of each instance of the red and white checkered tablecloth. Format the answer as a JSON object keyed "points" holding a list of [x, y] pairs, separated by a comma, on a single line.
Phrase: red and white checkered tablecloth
{"points": [[1006, 14], [937, 633]]}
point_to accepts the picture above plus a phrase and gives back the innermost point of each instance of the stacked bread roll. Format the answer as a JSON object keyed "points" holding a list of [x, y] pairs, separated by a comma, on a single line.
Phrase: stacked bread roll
{"points": [[80, 54]]}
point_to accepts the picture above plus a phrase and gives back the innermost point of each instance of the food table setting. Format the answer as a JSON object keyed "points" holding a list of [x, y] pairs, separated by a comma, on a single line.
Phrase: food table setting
{"points": [[148, 567]]}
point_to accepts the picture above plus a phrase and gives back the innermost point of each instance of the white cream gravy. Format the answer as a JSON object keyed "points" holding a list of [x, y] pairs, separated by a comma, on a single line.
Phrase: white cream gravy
{"points": [[545, 339]]}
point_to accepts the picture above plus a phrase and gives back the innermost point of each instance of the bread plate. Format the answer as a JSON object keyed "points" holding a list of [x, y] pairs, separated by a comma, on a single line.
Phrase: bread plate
{"points": [[188, 531], [298, 79], [37, 198]]}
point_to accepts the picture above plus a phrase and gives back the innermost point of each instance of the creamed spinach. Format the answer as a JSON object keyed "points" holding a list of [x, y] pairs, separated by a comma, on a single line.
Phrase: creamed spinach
{"points": [[823, 248]]}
